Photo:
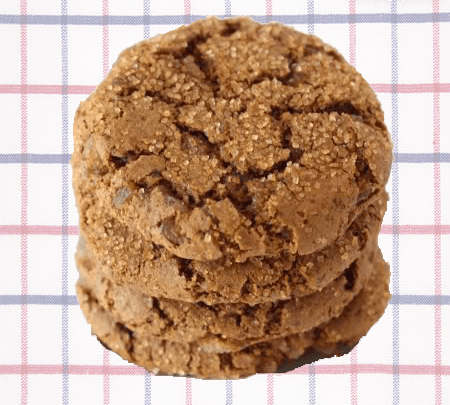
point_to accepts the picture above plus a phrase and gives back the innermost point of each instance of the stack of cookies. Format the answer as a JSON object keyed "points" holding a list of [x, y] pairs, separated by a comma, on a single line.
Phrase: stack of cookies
{"points": [[230, 180]]}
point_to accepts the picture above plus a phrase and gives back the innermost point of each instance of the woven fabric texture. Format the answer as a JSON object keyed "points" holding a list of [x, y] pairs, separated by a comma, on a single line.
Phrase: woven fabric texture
{"points": [[52, 55]]}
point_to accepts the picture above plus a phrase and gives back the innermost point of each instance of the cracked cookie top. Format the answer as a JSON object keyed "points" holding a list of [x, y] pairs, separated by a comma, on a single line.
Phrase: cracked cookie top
{"points": [[229, 138]]}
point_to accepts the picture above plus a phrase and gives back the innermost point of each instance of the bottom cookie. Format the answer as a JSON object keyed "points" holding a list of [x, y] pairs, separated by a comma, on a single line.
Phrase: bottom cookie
{"points": [[223, 327], [188, 359]]}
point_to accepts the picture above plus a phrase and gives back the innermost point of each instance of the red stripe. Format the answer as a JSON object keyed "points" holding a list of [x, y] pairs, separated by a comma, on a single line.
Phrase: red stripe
{"points": [[187, 7], [375, 369], [270, 396], [352, 34], [354, 353], [72, 369], [106, 374], [416, 229], [56, 369], [78, 89], [437, 208], [354, 375], [268, 7], [187, 14], [43, 89], [105, 10], [23, 208], [36, 230], [73, 230], [188, 391], [413, 88]]}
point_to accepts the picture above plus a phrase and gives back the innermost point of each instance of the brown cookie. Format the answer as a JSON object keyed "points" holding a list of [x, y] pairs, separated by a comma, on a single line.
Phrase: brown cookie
{"points": [[165, 356], [255, 281], [226, 139], [225, 327]]}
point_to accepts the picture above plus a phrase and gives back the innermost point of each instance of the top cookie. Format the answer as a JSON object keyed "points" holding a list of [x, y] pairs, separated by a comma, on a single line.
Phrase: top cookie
{"points": [[228, 138]]}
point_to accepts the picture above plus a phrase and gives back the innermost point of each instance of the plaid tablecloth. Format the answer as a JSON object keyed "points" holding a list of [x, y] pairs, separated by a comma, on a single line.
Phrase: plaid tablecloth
{"points": [[52, 55]]}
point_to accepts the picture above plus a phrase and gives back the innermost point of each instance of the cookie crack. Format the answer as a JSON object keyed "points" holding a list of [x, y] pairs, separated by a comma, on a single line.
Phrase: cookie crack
{"points": [[204, 65], [364, 177], [157, 95], [350, 275], [170, 187], [185, 268], [225, 361], [292, 78], [256, 174], [162, 315], [230, 29], [124, 331], [246, 288], [274, 315], [121, 161], [199, 59], [347, 107], [212, 308], [340, 107], [211, 147]]}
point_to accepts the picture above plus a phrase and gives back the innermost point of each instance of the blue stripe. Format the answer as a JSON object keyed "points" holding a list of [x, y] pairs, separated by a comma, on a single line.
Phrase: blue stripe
{"points": [[148, 388], [367, 18], [228, 8], [147, 375], [311, 19], [311, 368], [228, 383], [146, 20], [312, 383], [33, 158], [228, 392], [420, 300], [395, 209], [65, 207], [64, 300], [421, 157], [72, 300]]}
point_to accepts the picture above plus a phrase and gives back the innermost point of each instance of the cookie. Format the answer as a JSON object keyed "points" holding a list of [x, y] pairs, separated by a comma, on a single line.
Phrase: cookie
{"points": [[225, 327], [226, 140], [166, 356], [255, 281]]}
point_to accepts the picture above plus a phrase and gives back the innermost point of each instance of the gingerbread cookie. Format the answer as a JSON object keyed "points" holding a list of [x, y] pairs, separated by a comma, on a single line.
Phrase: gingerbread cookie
{"points": [[230, 180], [226, 139], [225, 327], [255, 281], [191, 359]]}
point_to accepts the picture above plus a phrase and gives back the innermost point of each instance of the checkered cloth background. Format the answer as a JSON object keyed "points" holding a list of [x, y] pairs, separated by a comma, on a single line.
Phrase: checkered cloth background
{"points": [[52, 55]]}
